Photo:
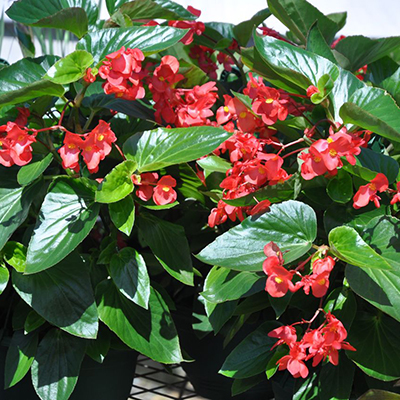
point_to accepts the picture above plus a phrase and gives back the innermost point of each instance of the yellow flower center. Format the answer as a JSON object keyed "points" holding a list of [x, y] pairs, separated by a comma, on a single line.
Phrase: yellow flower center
{"points": [[100, 137], [166, 188], [161, 78], [333, 152], [261, 170], [71, 146], [243, 114], [21, 137], [322, 281], [329, 140], [278, 280], [226, 109], [88, 148], [317, 159], [372, 186], [120, 94], [269, 101]]}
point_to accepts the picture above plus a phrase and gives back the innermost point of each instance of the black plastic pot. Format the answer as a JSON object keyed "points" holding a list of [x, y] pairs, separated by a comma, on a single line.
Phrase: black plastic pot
{"points": [[110, 380]]}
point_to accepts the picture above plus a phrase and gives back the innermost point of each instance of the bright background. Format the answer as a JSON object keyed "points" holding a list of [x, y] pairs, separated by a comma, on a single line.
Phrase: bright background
{"points": [[380, 17]]}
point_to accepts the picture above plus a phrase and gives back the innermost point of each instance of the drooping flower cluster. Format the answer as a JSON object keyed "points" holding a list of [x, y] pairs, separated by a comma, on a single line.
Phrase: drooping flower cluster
{"points": [[93, 146], [195, 27], [149, 187], [123, 74], [279, 280], [181, 107], [368, 192], [15, 145], [317, 344]]}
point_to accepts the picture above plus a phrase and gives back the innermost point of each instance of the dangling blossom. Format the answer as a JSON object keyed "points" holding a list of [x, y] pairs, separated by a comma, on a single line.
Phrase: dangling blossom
{"points": [[368, 192]]}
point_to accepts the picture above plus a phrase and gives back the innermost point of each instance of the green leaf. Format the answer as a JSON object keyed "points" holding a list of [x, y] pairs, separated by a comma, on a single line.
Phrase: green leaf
{"points": [[15, 202], [272, 365], [360, 50], [214, 164], [244, 30], [117, 184], [19, 358], [52, 14], [291, 225], [28, 173], [219, 314], [370, 162], [67, 216], [56, 366], [375, 394], [4, 276], [149, 39], [70, 68], [33, 321], [243, 385], [256, 302], [14, 254], [341, 302], [280, 304], [169, 244], [23, 81], [380, 287], [374, 109], [252, 355], [113, 5], [150, 332], [129, 273], [375, 336], [340, 187], [223, 284], [98, 349], [317, 43], [151, 9], [350, 247], [299, 16], [62, 295], [159, 148], [122, 214]]}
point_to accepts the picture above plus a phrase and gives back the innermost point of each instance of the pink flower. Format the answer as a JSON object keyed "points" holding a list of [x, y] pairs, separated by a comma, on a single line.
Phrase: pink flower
{"points": [[367, 193]]}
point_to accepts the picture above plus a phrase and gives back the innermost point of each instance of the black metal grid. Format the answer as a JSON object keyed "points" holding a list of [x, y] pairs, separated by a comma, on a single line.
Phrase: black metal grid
{"points": [[167, 382]]}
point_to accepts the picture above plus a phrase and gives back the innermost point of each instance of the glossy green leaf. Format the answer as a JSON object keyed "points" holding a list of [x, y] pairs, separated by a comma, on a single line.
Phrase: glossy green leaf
{"points": [[117, 184], [375, 336], [317, 43], [30, 172], [4, 276], [219, 314], [375, 394], [15, 202], [15, 255], [23, 81], [256, 302], [214, 164], [251, 356], [350, 247], [149, 39], [342, 304], [374, 109], [299, 16], [151, 9], [122, 214], [244, 30], [113, 5], [243, 385], [150, 332], [66, 217], [70, 68], [340, 187], [98, 349], [19, 358], [169, 244], [380, 287], [162, 147], [223, 284], [280, 304], [291, 225], [56, 366], [51, 14], [33, 321], [129, 273], [62, 295]]}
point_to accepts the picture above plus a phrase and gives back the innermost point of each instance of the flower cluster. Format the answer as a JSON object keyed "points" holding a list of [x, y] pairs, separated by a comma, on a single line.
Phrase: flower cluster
{"points": [[203, 56], [149, 187], [368, 192], [15, 144], [123, 74], [279, 279], [317, 344], [181, 107], [195, 27], [93, 146]]}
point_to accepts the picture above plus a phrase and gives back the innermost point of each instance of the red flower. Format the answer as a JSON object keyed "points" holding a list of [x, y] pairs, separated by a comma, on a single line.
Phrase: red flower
{"points": [[279, 279], [203, 56], [293, 362], [22, 118], [285, 334], [194, 27], [89, 77], [260, 207], [269, 106], [146, 183], [163, 192], [312, 90], [70, 151], [396, 197], [367, 193], [226, 60]]}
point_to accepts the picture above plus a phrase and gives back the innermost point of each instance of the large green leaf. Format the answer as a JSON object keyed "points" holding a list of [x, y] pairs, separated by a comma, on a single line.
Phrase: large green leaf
{"points": [[317, 43], [62, 295], [15, 202], [376, 338], [129, 273], [117, 184], [374, 109], [376, 394], [251, 356], [223, 284], [28, 173], [350, 247], [23, 81], [360, 50], [151, 9], [169, 244], [56, 366], [299, 16], [340, 188], [67, 216], [122, 214], [70, 68], [149, 39], [244, 30], [162, 147], [50, 14], [20, 356], [380, 287], [14, 254], [218, 314], [151, 332], [292, 225]]}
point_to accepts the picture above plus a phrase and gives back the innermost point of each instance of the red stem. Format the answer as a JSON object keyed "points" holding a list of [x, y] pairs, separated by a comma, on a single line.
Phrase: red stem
{"points": [[294, 152]]}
